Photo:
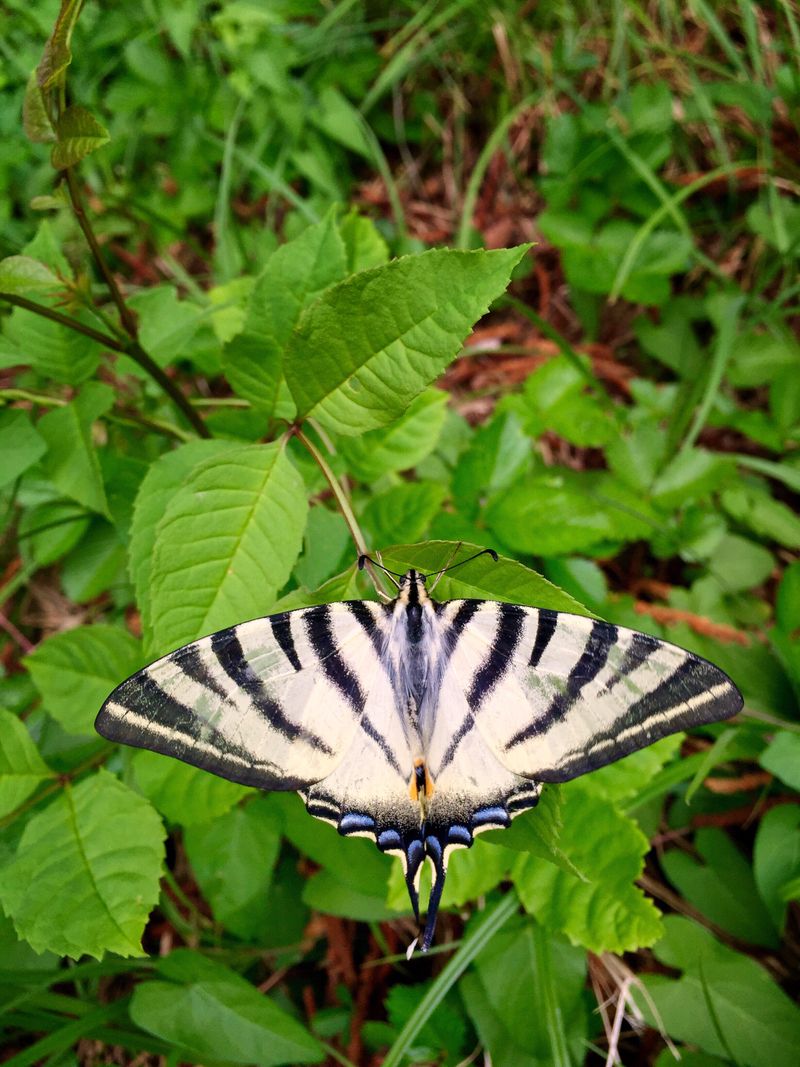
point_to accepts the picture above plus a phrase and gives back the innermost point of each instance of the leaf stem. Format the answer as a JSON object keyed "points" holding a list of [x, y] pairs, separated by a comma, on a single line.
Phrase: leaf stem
{"points": [[336, 489]]}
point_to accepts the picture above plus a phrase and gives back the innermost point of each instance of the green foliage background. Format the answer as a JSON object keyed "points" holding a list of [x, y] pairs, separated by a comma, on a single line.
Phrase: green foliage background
{"points": [[195, 259]]}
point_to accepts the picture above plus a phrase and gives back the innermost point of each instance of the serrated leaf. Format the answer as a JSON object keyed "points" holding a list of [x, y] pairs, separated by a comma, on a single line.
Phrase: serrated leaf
{"points": [[607, 913], [163, 479], [78, 134], [20, 445], [233, 859], [217, 1016], [71, 461], [226, 544], [483, 579], [184, 794], [21, 766], [75, 671], [35, 120], [294, 275], [537, 833], [86, 871], [402, 444], [368, 346], [51, 349], [22, 274]]}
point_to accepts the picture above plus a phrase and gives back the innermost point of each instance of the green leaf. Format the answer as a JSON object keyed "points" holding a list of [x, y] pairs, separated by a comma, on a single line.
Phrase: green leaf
{"points": [[167, 325], [483, 579], [758, 357], [537, 833], [183, 794], [226, 544], [756, 510], [53, 351], [787, 602], [635, 458], [325, 543], [78, 134], [71, 461], [776, 859], [215, 1015], [21, 766], [35, 120], [525, 996], [721, 887], [293, 277], [96, 564], [401, 445], [20, 445], [86, 871], [162, 481], [364, 246], [368, 346], [403, 513], [21, 274], [49, 531], [782, 758], [233, 859], [607, 913], [75, 671], [739, 563], [499, 453], [560, 512], [724, 1001], [443, 1034], [691, 475]]}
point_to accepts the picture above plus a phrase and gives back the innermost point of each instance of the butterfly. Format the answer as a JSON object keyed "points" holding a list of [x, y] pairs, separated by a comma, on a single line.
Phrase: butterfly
{"points": [[416, 723]]}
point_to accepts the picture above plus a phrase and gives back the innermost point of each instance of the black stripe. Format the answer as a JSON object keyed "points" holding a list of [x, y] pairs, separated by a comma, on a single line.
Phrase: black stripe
{"points": [[318, 627], [510, 625], [546, 627], [641, 647], [144, 696], [191, 663], [229, 652], [466, 725], [369, 624], [602, 638], [282, 632], [382, 744]]}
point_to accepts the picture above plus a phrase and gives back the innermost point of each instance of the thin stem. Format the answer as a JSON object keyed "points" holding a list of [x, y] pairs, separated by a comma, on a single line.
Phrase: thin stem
{"points": [[125, 314], [336, 489], [130, 348], [64, 320]]}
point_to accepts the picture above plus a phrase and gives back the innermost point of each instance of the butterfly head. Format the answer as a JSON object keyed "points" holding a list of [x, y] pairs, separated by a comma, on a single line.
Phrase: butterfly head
{"points": [[412, 588]]}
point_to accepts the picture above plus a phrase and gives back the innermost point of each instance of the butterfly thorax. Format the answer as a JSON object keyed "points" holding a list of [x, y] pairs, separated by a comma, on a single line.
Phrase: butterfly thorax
{"points": [[413, 647]]}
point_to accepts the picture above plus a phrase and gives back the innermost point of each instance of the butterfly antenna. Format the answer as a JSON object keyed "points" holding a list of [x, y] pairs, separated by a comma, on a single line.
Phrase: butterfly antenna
{"points": [[483, 552], [364, 560]]}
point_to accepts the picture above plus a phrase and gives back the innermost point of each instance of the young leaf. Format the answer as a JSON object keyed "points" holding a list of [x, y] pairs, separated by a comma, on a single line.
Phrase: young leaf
{"points": [[233, 858], [21, 766], [71, 460], [20, 445], [35, 120], [404, 512], [75, 671], [776, 858], [57, 55], [215, 1015], [78, 134], [368, 346], [226, 544], [184, 794], [52, 350], [72, 852], [294, 275]]}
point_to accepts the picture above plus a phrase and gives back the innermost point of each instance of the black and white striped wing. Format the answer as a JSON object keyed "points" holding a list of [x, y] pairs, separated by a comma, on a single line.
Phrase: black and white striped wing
{"points": [[277, 703], [552, 696]]}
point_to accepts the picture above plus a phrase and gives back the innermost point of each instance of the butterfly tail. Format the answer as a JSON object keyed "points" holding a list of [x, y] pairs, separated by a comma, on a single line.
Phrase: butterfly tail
{"points": [[435, 853]]}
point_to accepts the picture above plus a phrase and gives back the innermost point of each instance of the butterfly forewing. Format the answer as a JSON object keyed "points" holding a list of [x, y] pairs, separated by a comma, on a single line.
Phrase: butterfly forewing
{"points": [[553, 696]]}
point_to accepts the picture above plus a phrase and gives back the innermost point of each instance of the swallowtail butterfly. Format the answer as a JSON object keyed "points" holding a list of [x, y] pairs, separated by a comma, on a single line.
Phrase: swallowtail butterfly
{"points": [[416, 723]]}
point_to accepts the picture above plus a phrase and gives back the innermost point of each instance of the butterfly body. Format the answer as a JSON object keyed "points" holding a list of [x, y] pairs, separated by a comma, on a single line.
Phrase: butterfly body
{"points": [[417, 723]]}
